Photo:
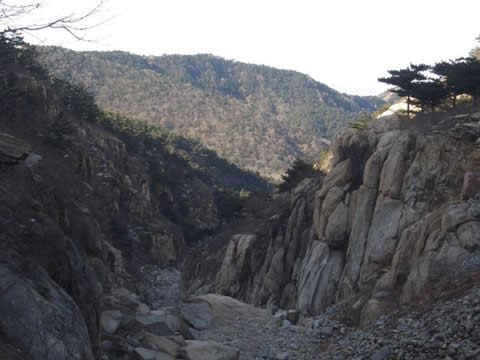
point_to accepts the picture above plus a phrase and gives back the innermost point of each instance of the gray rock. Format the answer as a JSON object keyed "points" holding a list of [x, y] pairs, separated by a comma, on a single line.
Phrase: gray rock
{"points": [[12, 149], [198, 315], [41, 318], [293, 316], [382, 353], [110, 320], [285, 324], [212, 310], [32, 160], [326, 330]]}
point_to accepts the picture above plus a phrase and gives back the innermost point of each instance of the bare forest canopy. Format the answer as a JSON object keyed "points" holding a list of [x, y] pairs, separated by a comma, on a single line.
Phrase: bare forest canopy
{"points": [[257, 117]]}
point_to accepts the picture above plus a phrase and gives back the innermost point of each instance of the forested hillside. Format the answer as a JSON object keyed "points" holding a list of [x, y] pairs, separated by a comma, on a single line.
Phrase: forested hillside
{"points": [[258, 117]]}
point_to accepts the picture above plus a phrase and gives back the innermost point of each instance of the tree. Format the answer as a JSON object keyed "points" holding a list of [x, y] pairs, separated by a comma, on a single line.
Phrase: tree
{"points": [[475, 53], [470, 76], [451, 74], [430, 93], [12, 12], [405, 81], [298, 171]]}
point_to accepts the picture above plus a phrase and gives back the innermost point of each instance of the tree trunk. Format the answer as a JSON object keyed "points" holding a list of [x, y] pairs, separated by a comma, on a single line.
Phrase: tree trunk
{"points": [[408, 107]]}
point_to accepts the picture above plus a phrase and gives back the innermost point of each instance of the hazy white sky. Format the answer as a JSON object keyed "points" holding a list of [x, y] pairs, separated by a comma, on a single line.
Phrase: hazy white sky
{"points": [[346, 44]]}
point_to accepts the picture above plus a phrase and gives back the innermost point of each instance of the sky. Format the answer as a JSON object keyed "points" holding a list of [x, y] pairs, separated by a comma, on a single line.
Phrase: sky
{"points": [[345, 44]]}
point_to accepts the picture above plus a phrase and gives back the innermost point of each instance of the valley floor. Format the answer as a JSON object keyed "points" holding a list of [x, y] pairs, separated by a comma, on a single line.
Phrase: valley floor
{"points": [[447, 330]]}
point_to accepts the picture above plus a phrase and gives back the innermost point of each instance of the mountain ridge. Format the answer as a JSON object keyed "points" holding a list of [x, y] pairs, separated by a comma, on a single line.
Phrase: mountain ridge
{"points": [[256, 116]]}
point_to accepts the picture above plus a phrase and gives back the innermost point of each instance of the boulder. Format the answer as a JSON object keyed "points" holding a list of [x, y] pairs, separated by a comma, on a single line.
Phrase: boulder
{"points": [[293, 316], [152, 323], [110, 320], [40, 317], [12, 149], [212, 310], [161, 343]]}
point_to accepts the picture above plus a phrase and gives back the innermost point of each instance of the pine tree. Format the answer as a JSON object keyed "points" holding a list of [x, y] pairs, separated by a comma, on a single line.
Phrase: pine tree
{"points": [[405, 80]]}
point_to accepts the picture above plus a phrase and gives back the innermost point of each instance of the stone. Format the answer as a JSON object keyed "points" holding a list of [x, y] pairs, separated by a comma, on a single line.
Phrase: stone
{"points": [[212, 310], [40, 317], [326, 330], [143, 309], [32, 160], [286, 324], [280, 315], [152, 323], [161, 343], [382, 354], [110, 321], [12, 149], [209, 350], [471, 185], [266, 353], [293, 316]]}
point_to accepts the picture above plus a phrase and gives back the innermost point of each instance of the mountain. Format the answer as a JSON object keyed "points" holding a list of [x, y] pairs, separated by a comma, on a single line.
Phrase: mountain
{"points": [[258, 117], [388, 97]]}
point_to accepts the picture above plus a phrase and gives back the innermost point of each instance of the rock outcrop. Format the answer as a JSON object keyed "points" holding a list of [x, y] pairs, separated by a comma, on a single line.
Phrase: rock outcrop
{"points": [[395, 222], [84, 210]]}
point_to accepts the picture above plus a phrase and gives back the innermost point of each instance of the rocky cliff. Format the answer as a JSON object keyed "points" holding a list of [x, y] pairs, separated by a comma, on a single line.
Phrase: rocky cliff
{"points": [[395, 223], [83, 211]]}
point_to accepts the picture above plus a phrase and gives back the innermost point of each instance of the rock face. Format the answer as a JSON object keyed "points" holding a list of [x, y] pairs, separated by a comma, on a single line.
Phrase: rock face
{"points": [[396, 221], [83, 210]]}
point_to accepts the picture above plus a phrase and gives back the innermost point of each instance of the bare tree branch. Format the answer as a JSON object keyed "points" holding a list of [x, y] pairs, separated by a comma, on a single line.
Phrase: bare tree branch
{"points": [[73, 23]]}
